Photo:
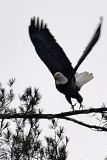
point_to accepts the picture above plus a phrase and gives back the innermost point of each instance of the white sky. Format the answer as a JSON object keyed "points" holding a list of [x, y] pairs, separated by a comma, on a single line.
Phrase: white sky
{"points": [[72, 23]]}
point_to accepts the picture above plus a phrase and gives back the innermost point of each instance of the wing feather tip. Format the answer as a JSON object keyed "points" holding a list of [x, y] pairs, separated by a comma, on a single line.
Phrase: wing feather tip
{"points": [[38, 24], [32, 21], [101, 19]]}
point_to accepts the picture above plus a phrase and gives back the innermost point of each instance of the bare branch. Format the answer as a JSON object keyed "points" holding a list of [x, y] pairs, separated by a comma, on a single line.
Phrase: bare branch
{"points": [[85, 111], [96, 128], [63, 115], [51, 116]]}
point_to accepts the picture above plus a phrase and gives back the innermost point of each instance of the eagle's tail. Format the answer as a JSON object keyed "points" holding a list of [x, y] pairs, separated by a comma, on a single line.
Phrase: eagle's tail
{"points": [[82, 78]]}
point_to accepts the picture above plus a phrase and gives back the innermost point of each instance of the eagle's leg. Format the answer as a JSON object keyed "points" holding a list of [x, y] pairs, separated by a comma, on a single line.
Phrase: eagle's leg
{"points": [[73, 105], [81, 107], [69, 100]]}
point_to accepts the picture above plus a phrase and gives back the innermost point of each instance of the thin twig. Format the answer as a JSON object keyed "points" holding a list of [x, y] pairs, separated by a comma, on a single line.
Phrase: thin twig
{"points": [[97, 128]]}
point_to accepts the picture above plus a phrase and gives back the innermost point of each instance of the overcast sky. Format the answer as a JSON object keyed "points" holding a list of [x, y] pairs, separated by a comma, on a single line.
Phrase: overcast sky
{"points": [[73, 23]]}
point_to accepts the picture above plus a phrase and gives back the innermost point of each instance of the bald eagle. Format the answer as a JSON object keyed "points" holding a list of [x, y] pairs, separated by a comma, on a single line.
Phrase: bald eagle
{"points": [[67, 80]]}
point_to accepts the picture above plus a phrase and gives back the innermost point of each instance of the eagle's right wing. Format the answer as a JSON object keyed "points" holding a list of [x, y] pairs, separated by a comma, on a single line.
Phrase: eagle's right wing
{"points": [[48, 49]]}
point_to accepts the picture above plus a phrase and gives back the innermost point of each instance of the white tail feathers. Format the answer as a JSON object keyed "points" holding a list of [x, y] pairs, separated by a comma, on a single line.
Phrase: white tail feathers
{"points": [[82, 78]]}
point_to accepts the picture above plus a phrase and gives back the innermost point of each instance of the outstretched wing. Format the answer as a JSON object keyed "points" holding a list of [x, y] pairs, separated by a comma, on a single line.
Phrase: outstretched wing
{"points": [[48, 49], [88, 48]]}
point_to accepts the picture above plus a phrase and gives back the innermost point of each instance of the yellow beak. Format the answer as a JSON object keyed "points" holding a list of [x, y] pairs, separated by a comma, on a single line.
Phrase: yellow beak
{"points": [[55, 75]]}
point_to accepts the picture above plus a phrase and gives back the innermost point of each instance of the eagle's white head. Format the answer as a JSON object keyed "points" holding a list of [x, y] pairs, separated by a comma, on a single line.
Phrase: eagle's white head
{"points": [[60, 78]]}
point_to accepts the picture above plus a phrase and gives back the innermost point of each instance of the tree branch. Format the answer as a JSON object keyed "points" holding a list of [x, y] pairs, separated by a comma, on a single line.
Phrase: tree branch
{"points": [[97, 128], [51, 116], [85, 111], [62, 115]]}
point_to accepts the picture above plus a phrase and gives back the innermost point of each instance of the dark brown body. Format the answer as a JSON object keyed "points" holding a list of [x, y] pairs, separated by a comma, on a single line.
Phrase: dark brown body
{"points": [[70, 90]]}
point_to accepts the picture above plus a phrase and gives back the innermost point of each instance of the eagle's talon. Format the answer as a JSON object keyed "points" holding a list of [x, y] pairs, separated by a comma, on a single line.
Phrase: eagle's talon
{"points": [[81, 107]]}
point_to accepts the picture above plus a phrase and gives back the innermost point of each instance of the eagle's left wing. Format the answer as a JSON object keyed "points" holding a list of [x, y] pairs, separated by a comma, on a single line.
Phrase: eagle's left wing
{"points": [[88, 48]]}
